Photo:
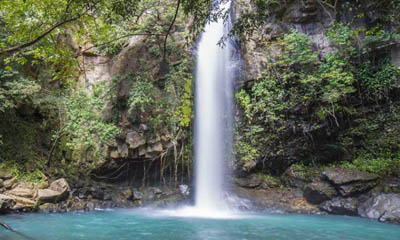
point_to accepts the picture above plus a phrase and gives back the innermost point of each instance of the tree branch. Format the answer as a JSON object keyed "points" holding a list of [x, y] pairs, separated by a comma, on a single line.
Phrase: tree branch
{"points": [[116, 39], [325, 4], [170, 28], [27, 44], [6, 227]]}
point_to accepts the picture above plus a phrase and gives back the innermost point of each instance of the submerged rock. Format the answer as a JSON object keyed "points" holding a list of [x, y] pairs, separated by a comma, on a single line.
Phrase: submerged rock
{"points": [[318, 192], [341, 206], [383, 207]]}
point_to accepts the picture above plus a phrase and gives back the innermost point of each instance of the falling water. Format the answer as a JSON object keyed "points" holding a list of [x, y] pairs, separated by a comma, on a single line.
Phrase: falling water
{"points": [[216, 69], [214, 114]]}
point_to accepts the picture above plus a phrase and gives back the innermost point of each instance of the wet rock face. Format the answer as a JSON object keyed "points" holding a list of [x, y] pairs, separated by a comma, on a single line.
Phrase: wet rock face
{"points": [[382, 207], [48, 196], [341, 206], [302, 12], [135, 145], [350, 182], [62, 187], [296, 177], [341, 176], [6, 203], [184, 189], [248, 182], [277, 200], [318, 192]]}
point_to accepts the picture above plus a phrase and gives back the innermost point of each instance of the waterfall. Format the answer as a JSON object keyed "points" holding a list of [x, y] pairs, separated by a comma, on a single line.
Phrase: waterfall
{"points": [[215, 70]]}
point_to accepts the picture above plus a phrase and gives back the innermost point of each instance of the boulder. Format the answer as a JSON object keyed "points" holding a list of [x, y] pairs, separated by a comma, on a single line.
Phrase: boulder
{"points": [[127, 193], [340, 176], [61, 186], [251, 182], [49, 196], [6, 203], [318, 192], [135, 140], [43, 185], [296, 177], [184, 189], [10, 182], [341, 206], [152, 193], [97, 193], [24, 202], [114, 154], [5, 175], [137, 195], [1, 183], [22, 192], [123, 150], [350, 182], [382, 207], [355, 188]]}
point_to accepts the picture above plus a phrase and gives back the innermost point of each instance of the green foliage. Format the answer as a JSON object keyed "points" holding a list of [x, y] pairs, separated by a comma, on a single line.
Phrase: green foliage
{"points": [[15, 89], [85, 125], [383, 164], [140, 97], [298, 87], [16, 170], [253, 19], [180, 81]]}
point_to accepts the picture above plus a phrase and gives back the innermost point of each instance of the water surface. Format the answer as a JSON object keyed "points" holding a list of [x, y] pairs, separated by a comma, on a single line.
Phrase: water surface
{"points": [[152, 225]]}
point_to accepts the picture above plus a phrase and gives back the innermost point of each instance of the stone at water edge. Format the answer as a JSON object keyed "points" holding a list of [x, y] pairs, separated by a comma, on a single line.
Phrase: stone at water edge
{"points": [[350, 182], [184, 189], [22, 192], [127, 193], [1, 183], [61, 186], [6, 203], [318, 192], [49, 196], [251, 182], [383, 207], [137, 195], [341, 206]]}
